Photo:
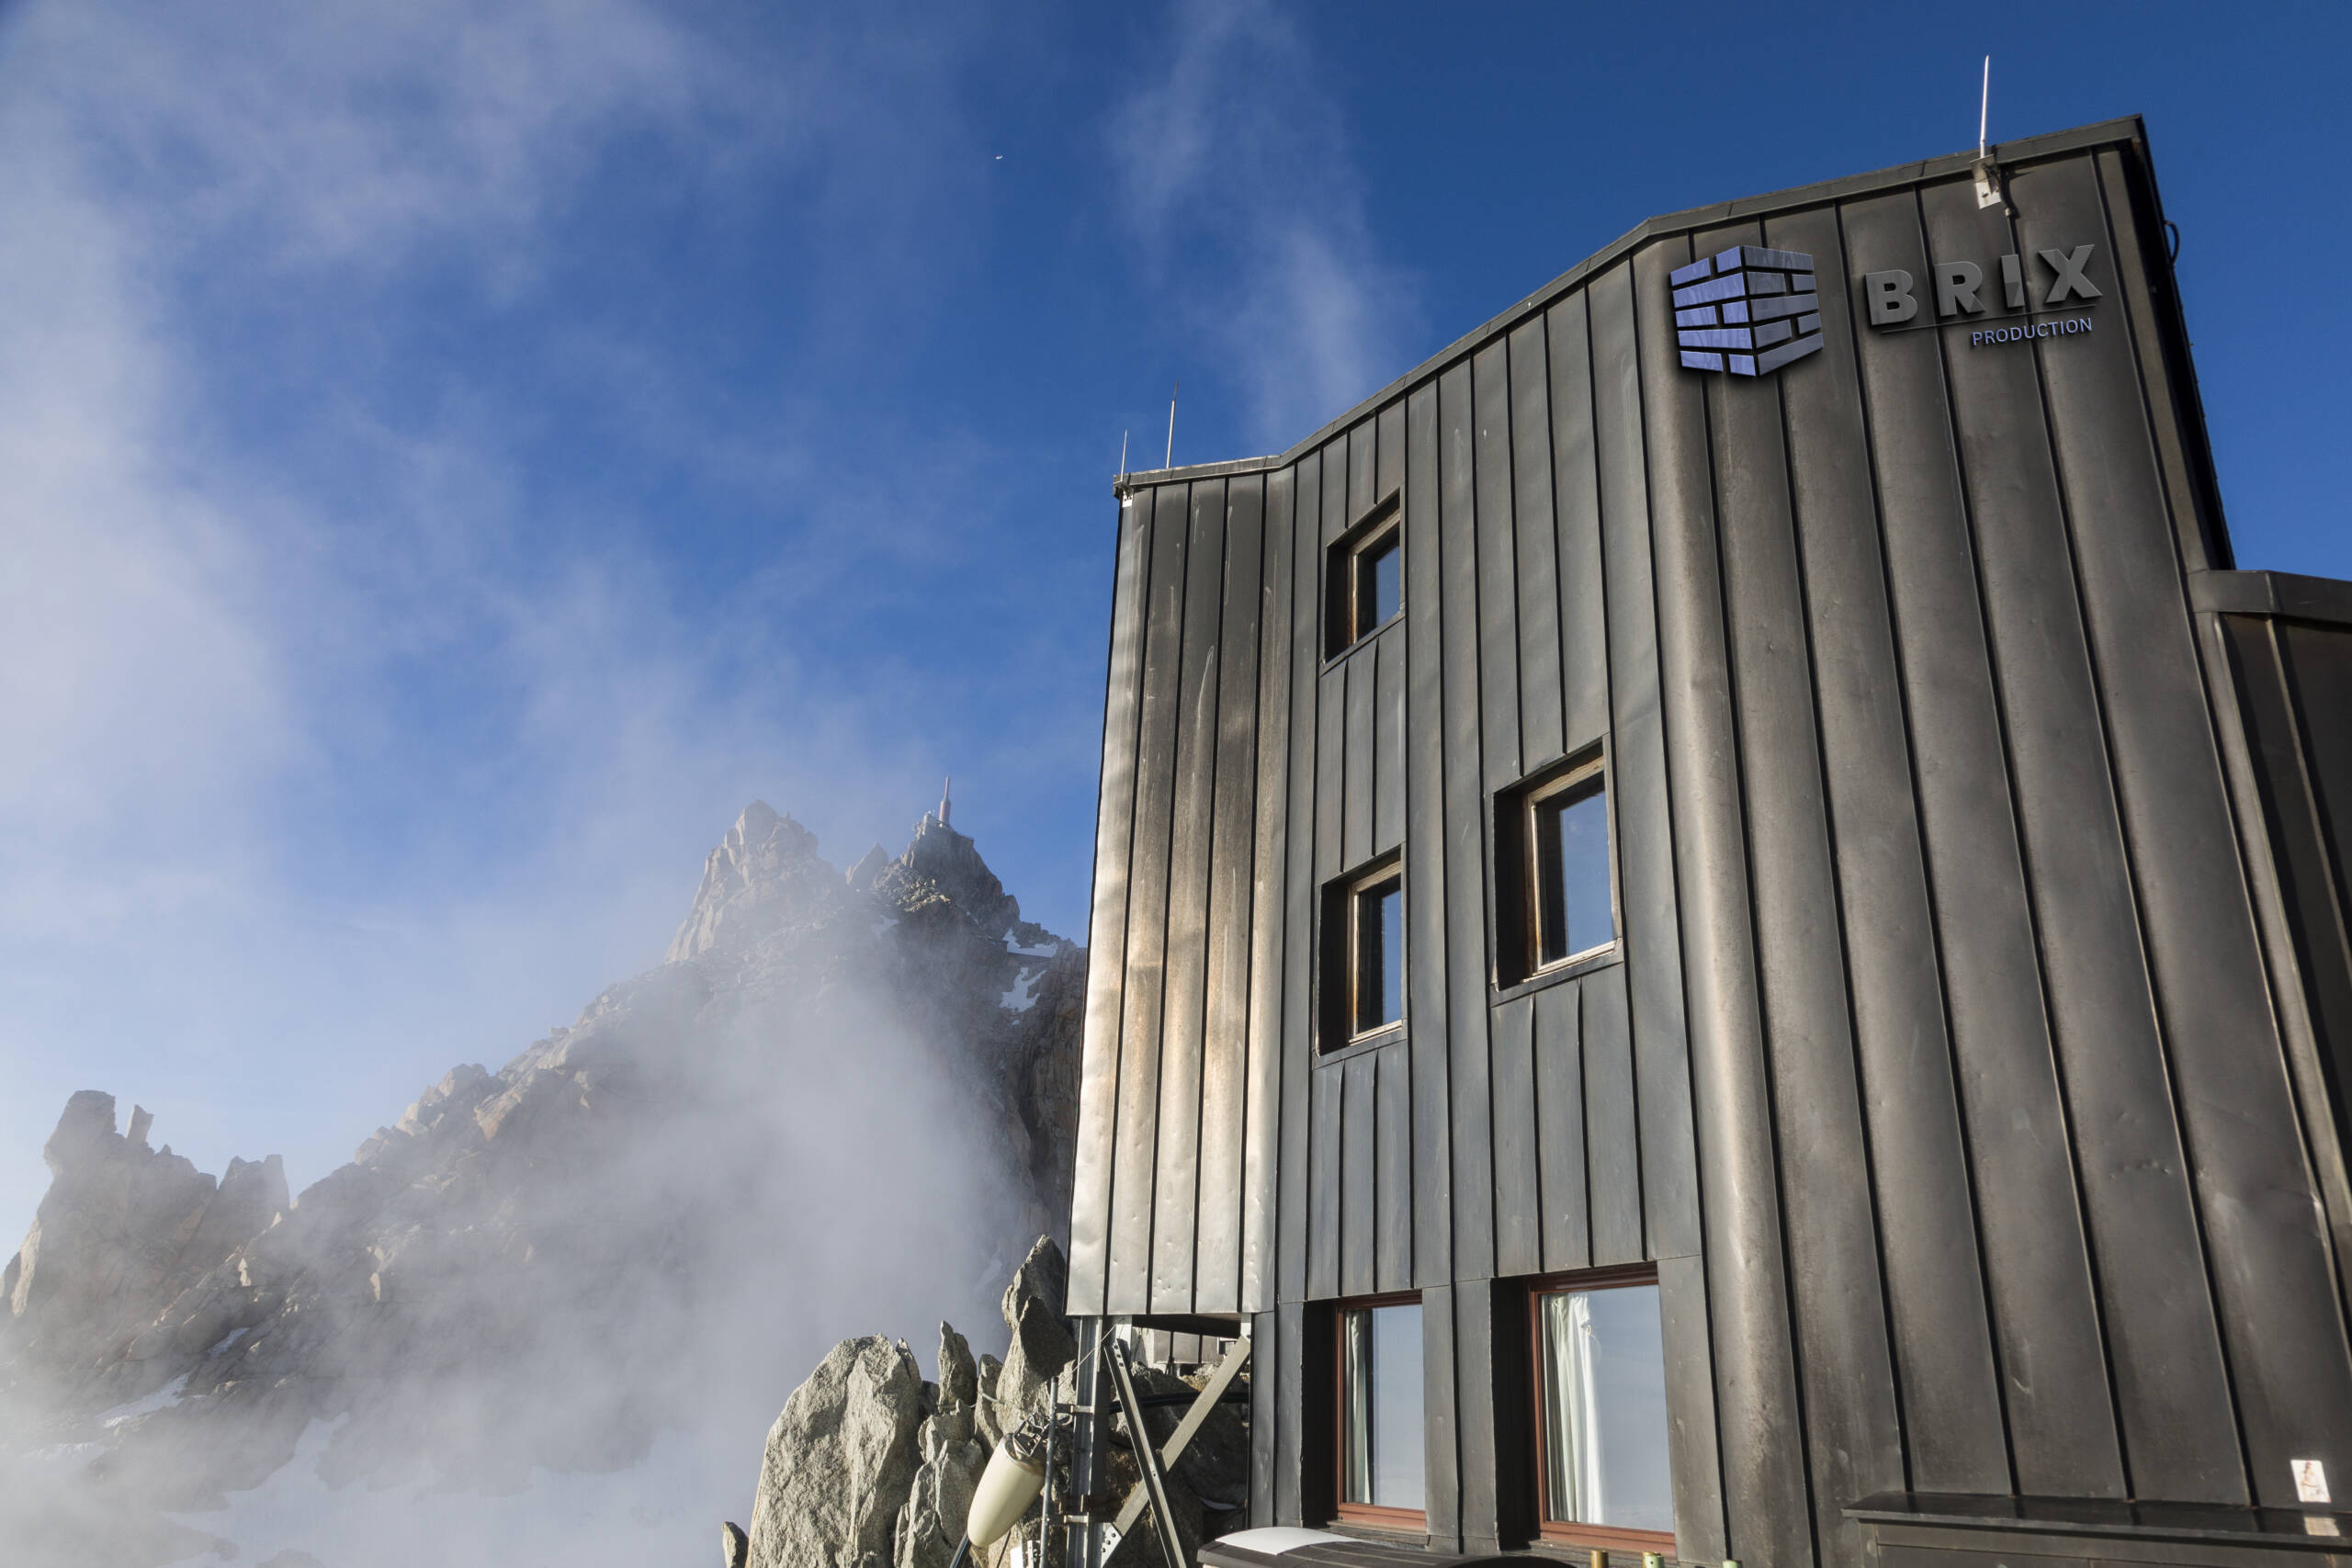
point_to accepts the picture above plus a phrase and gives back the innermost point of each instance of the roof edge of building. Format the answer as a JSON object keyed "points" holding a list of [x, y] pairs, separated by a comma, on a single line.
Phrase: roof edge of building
{"points": [[2127, 128]]}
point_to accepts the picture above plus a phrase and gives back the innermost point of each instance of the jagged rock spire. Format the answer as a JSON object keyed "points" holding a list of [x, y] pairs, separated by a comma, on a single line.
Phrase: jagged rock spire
{"points": [[765, 874]]}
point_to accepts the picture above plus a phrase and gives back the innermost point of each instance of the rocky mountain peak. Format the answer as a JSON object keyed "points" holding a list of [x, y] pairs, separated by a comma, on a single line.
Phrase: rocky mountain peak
{"points": [[764, 875], [122, 1228], [84, 1134], [949, 862]]}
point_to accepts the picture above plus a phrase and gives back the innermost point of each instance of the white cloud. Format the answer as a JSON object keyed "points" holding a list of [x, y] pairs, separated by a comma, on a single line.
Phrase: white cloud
{"points": [[348, 133], [1236, 150], [318, 771], [138, 692]]}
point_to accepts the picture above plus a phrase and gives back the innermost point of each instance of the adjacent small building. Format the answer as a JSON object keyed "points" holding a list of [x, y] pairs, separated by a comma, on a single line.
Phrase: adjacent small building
{"points": [[1720, 919]]}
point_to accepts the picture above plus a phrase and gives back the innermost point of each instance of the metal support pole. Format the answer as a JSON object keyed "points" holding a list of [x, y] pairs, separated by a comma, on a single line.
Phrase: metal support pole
{"points": [[1171, 1546], [1203, 1403], [1045, 1493], [1082, 1544]]}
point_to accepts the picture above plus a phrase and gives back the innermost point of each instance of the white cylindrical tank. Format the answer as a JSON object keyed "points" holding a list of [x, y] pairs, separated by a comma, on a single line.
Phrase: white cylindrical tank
{"points": [[1007, 1488]]}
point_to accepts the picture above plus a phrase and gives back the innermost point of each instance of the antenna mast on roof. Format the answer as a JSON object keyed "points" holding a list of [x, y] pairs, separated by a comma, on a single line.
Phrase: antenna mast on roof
{"points": [[1170, 461], [1984, 108], [1988, 178], [1122, 454]]}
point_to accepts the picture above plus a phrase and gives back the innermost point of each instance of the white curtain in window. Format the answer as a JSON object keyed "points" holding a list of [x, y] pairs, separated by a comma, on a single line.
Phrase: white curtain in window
{"points": [[1572, 1441], [1357, 1363]]}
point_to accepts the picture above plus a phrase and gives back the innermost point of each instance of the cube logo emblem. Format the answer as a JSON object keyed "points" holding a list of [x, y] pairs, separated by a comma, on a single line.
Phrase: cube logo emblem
{"points": [[1747, 310]]}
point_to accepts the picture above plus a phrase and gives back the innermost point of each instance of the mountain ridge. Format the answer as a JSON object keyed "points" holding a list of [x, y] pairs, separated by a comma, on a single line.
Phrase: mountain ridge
{"points": [[813, 1035]]}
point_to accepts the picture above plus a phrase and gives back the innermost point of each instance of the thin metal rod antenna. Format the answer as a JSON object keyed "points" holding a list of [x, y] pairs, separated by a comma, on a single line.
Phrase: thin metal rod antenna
{"points": [[1984, 108], [1122, 454], [1171, 460]]}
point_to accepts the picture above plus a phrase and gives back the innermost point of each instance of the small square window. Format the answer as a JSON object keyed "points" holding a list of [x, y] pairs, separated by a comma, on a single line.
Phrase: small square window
{"points": [[1605, 1476], [1364, 955], [1367, 580], [1383, 1473], [1556, 886]]}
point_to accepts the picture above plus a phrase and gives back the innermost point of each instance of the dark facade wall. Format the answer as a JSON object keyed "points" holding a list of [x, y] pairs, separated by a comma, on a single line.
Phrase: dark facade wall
{"points": [[2282, 649], [1941, 1073]]}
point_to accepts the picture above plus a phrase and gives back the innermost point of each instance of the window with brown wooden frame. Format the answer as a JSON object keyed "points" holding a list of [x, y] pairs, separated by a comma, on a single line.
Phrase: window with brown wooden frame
{"points": [[1383, 1479], [1362, 984], [1364, 580], [1555, 881], [1604, 1478]]}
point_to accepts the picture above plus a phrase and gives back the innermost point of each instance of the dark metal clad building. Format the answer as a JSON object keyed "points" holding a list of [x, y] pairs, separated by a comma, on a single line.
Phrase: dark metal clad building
{"points": [[1721, 924]]}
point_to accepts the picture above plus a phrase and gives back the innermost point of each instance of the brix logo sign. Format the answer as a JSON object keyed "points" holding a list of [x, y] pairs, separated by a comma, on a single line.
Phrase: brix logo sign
{"points": [[1960, 288], [1748, 309]]}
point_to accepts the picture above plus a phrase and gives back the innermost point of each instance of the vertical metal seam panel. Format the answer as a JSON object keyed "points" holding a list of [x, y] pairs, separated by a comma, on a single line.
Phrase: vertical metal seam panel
{"points": [[1393, 1170], [1466, 934], [1837, 1290], [1644, 809], [2334, 871], [1517, 1198], [1612, 1115], [1757, 1026], [1106, 957], [2263, 1243], [1441, 1421], [1360, 1175], [2043, 1296], [1360, 749], [1389, 465], [1326, 1178], [1766, 1491], [1389, 810], [1561, 1179], [1128, 1274], [2280, 903], [1943, 1421], [1300, 917], [1424, 857], [1542, 689], [1176, 1163], [2135, 895], [1269, 933], [1224, 1112], [1497, 557], [2142, 1223], [2034, 919], [1637, 726], [1266, 1353]]}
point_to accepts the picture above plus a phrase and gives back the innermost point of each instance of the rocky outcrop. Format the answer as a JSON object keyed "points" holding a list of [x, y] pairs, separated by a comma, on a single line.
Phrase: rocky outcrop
{"points": [[865, 1440], [1042, 1344], [122, 1231], [967, 1414], [840, 1460], [931, 1521]]}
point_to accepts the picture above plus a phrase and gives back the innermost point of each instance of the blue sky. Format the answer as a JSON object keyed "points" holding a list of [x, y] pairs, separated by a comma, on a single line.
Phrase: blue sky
{"points": [[453, 457]]}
